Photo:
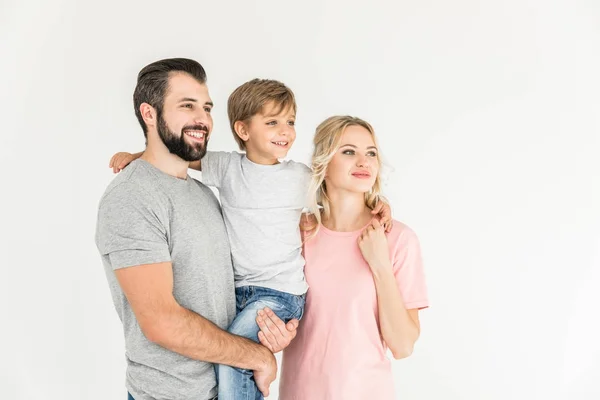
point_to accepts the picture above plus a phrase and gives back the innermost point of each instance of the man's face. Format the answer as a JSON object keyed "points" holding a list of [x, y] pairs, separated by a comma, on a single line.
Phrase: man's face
{"points": [[186, 121]]}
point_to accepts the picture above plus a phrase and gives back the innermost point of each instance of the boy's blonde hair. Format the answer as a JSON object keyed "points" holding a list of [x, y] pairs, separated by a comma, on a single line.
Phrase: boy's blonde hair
{"points": [[249, 99], [327, 142]]}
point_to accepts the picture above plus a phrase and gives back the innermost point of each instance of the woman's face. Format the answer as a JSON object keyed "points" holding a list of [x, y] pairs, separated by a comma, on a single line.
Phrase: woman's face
{"points": [[355, 165]]}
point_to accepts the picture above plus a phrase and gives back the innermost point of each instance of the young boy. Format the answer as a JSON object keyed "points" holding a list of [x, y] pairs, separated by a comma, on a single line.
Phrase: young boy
{"points": [[262, 200]]}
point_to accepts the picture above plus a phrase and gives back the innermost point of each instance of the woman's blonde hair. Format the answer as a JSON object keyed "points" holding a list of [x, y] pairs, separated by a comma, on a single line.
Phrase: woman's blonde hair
{"points": [[327, 142]]}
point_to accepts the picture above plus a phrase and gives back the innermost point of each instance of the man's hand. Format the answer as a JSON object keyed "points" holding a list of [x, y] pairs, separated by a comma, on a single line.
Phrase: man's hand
{"points": [[274, 334], [263, 377], [385, 214]]}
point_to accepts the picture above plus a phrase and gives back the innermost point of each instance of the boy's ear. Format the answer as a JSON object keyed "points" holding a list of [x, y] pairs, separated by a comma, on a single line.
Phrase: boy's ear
{"points": [[148, 114], [241, 129]]}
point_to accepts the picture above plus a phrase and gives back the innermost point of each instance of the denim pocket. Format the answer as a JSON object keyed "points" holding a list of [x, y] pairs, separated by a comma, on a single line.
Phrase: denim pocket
{"points": [[243, 295], [301, 304]]}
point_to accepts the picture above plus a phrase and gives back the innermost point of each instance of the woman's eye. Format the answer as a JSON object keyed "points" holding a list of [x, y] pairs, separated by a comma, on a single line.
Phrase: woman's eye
{"points": [[372, 154], [292, 123], [348, 152], [272, 123]]}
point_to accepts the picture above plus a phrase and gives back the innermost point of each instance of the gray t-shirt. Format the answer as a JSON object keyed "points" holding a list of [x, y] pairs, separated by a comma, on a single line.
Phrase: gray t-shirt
{"points": [[262, 205], [147, 216]]}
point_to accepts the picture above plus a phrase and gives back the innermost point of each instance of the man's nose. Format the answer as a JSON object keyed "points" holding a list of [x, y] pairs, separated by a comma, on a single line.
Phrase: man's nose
{"points": [[202, 117]]}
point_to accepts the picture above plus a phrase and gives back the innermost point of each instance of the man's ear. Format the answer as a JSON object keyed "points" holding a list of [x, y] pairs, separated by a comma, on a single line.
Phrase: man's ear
{"points": [[149, 114], [241, 129]]}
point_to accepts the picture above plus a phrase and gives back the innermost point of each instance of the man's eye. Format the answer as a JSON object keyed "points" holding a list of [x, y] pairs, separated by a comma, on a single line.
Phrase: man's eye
{"points": [[207, 109], [187, 105], [272, 123]]}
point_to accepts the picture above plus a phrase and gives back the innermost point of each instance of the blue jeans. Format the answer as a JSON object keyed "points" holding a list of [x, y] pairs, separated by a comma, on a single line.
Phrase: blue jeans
{"points": [[130, 397], [236, 383]]}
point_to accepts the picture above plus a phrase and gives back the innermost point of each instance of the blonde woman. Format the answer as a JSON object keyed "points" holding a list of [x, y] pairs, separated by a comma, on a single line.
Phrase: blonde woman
{"points": [[366, 286]]}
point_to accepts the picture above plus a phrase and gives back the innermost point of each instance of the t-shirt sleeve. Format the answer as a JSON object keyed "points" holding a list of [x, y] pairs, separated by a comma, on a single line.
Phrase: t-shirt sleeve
{"points": [[305, 176], [214, 167], [129, 230], [408, 270]]}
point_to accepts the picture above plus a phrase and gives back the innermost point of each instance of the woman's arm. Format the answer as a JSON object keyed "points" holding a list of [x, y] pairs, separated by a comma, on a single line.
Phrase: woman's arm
{"points": [[399, 327]]}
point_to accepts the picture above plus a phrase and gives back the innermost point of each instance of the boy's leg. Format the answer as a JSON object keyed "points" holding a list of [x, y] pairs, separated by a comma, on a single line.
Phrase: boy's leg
{"points": [[236, 383]]}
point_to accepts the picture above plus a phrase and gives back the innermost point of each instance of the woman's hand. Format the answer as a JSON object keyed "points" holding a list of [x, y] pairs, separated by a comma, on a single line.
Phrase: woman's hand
{"points": [[384, 211], [373, 245]]}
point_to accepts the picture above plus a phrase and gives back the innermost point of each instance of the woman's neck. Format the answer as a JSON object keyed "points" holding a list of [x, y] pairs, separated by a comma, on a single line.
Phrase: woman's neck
{"points": [[347, 212]]}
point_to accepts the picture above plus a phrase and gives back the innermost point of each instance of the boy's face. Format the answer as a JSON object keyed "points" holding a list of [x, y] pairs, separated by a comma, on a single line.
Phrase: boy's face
{"points": [[270, 135], [186, 120]]}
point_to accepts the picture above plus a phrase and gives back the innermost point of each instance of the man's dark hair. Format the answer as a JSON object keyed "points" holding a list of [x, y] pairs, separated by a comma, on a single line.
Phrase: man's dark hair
{"points": [[153, 82]]}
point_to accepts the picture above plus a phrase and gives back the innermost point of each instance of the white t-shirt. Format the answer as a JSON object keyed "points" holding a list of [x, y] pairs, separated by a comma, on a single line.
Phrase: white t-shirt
{"points": [[262, 205]]}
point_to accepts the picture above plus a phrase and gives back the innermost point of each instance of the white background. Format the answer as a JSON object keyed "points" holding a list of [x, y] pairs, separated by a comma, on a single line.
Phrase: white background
{"points": [[488, 113]]}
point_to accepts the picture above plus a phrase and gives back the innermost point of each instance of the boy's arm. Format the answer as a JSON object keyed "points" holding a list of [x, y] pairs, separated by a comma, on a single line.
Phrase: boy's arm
{"points": [[123, 159], [197, 165]]}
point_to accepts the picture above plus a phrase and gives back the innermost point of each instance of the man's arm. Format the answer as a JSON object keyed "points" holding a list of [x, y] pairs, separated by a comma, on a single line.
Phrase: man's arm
{"points": [[274, 333], [149, 290]]}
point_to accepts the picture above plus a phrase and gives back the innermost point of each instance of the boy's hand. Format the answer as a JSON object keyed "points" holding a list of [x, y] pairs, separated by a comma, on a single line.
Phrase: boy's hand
{"points": [[385, 214], [308, 222], [274, 334], [120, 161]]}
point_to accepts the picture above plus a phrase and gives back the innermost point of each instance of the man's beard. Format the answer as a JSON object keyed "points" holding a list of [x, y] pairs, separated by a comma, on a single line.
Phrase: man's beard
{"points": [[177, 144]]}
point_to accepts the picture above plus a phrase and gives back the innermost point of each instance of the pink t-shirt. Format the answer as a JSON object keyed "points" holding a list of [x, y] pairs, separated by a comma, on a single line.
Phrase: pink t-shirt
{"points": [[339, 353]]}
